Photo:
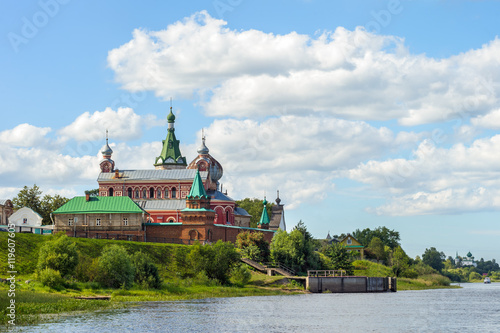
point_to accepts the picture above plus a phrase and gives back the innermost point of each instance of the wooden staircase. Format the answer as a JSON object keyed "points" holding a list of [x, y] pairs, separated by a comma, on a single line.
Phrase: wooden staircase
{"points": [[270, 268]]}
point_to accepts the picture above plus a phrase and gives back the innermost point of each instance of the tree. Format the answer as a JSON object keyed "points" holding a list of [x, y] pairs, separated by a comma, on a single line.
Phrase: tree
{"points": [[253, 246], [294, 250], [146, 272], [254, 207], [400, 261], [388, 237], [216, 260], [376, 247], [32, 198], [434, 258], [59, 254], [339, 256], [114, 268], [93, 193]]}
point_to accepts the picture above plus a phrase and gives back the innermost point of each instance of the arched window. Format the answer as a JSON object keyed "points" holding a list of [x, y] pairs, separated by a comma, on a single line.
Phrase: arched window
{"points": [[166, 193], [144, 192], [129, 192], [158, 194], [173, 192], [227, 216], [137, 194], [110, 192], [151, 193]]}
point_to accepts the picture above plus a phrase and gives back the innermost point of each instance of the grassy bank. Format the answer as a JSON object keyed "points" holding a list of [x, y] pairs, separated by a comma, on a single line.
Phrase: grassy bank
{"points": [[427, 281]]}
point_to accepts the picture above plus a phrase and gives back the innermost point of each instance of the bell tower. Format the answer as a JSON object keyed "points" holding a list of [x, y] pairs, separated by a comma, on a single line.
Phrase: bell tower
{"points": [[107, 164]]}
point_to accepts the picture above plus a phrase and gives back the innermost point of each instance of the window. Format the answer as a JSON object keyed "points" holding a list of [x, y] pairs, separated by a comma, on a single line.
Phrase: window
{"points": [[227, 216], [152, 193], [144, 192], [70, 222], [110, 192], [173, 192], [125, 221], [158, 194], [129, 192], [25, 221], [349, 241], [166, 193], [98, 222], [137, 194]]}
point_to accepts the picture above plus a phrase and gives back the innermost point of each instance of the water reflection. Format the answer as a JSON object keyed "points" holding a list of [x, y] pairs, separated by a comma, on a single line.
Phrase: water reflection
{"points": [[475, 308]]}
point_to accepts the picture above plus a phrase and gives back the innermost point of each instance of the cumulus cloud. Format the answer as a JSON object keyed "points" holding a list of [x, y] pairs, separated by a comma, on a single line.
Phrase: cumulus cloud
{"points": [[490, 120], [24, 135], [347, 74], [123, 124], [437, 180]]}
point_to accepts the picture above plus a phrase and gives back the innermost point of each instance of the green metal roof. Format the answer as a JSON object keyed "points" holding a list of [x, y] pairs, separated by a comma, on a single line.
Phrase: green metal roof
{"points": [[264, 218], [170, 153], [197, 189], [79, 205], [197, 210]]}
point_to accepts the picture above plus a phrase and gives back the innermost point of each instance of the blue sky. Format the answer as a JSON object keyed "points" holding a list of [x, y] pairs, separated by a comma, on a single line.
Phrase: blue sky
{"points": [[362, 113]]}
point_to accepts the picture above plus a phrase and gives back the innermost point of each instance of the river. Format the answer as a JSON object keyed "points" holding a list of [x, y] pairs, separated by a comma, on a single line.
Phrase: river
{"points": [[473, 308]]}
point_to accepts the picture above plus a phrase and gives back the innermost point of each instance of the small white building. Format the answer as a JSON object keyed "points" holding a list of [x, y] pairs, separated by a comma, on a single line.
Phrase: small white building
{"points": [[27, 220]]}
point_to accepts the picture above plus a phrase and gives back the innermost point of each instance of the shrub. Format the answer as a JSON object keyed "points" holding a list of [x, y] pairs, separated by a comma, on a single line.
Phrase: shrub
{"points": [[51, 278], [474, 276], [215, 260], [114, 268], [86, 270], [59, 254], [240, 275], [253, 246], [410, 273], [146, 272]]}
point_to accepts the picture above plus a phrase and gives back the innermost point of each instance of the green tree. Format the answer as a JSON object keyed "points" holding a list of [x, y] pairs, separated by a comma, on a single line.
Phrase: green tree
{"points": [[59, 254], [32, 198], [434, 258], [388, 237], [294, 250], [339, 256], [93, 193], [253, 246], [114, 268], [215, 260], [146, 272], [400, 261], [254, 207], [376, 247]]}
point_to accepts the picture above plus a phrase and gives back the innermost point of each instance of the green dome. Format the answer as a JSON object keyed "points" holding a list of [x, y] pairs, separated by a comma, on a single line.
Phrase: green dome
{"points": [[171, 117]]}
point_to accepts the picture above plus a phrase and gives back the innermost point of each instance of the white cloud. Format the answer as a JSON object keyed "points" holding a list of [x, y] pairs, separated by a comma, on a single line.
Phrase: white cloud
{"points": [[490, 120], [437, 180], [348, 74], [24, 135], [122, 124]]}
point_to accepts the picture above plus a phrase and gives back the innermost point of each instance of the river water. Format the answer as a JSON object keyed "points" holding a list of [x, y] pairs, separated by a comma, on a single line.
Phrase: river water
{"points": [[473, 308]]}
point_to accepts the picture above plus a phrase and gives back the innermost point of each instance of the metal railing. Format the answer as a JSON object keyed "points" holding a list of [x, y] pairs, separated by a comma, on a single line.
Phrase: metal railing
{"points": [[279, 265], [325, 273]]}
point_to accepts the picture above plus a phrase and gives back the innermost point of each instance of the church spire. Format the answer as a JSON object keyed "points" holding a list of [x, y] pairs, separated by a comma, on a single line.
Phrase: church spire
{"points": [[170, 156], [107, 164], [264, 218]]}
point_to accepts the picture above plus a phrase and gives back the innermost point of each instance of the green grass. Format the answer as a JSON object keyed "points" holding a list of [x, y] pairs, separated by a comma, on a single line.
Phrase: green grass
{"points": [[429, 281]]}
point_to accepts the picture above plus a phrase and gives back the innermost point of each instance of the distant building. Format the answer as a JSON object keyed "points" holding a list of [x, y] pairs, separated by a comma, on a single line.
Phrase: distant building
{"points": [[465, 261], [352, 244], [6, 210], [27, 220], [277, 215]]}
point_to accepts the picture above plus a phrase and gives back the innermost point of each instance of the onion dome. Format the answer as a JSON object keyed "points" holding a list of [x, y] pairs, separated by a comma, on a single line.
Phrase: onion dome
{"points": [[171, 117], [106, 149], [203, 150]]}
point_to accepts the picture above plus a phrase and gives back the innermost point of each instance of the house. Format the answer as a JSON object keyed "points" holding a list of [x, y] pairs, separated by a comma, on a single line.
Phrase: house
{"points": [[27, 220], [352, 244], [6, 210], [100, 217]]}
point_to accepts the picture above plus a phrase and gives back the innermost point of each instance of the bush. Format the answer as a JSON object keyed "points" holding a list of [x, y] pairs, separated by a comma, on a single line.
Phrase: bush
{"points": [[215, 260], [240, 275], [59, 254], [114, 268], [474, 276], [86, 270], [410, 273], [146, 272], [51, 278], [253, 246]]}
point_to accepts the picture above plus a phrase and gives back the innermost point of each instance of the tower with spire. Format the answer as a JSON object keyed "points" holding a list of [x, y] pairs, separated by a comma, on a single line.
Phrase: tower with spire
{"points": [[170, 156], [264, 218], [107, 164], [206, 162]]}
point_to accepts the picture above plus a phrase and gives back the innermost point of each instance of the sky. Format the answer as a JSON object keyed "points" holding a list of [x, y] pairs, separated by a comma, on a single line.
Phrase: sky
{"points": [[361, 113]]}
